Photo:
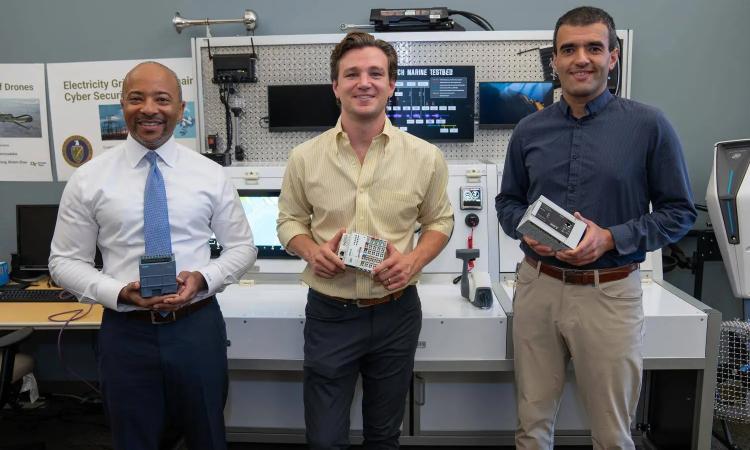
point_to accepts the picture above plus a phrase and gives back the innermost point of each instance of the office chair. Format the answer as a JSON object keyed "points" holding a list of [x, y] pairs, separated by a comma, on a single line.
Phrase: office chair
{"points": [[13, 366]]}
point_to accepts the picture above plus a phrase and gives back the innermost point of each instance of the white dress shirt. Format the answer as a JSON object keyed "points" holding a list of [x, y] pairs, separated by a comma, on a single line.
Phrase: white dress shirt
{"points": [[103, 205]]}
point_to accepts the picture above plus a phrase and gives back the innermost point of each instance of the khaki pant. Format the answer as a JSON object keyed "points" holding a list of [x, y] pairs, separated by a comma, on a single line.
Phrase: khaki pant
{"points": [[599, 328]]}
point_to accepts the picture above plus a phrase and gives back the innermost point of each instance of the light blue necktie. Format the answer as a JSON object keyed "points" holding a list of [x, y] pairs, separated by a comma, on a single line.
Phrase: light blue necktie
{"points": [[155, 213]]}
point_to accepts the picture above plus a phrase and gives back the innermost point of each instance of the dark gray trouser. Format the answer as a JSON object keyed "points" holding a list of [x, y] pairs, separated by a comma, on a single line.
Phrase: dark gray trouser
{"points": [[343, 341], [159, 377]]}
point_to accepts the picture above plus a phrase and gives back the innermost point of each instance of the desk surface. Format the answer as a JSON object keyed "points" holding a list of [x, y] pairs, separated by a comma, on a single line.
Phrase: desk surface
{"points": [[15, 315]]}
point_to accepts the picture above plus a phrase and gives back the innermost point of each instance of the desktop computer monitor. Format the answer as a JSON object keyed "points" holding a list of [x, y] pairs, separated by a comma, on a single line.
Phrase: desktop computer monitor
{"points": [[435, 103], [262, 209], [35, 226], [502, 104], [308, 107]]}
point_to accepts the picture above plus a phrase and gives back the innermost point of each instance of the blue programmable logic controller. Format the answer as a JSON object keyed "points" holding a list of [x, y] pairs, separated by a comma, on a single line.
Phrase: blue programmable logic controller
{"points": [[158, 275]]}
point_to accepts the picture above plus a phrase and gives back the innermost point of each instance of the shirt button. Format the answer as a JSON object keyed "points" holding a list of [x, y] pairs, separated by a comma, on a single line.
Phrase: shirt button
{"points": [[571, 188], [575, 156]]}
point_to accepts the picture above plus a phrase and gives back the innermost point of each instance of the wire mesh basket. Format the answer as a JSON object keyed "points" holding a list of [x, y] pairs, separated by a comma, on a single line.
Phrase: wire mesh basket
{"points": [[732, 397]]}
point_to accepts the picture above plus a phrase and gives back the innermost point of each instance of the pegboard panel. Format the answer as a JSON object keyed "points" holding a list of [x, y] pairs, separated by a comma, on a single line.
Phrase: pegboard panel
{"points": [[305, 60], [278, 64]]}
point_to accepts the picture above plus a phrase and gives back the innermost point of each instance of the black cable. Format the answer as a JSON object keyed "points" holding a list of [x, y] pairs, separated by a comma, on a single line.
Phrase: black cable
{"points": [[18, 284], [681, 259], [476, 18], [618, 88], [224, 98], [528, 50], [26, 280], [476, 21], [77, 314], [487, 24]]}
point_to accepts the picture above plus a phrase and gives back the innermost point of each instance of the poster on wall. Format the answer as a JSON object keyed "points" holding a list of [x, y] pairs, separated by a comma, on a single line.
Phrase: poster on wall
{"points": [[24, 143], [87, 118]]}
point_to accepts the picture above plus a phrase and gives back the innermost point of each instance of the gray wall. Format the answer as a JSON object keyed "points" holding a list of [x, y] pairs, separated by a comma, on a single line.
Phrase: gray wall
{"points": [[690, 57]]}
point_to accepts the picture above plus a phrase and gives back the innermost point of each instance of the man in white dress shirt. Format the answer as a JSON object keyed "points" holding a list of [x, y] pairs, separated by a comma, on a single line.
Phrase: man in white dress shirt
{"points": [[162, 360]]}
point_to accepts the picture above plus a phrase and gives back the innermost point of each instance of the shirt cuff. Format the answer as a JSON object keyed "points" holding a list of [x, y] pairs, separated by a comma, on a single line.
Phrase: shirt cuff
{"points": [[108, 292], [214, 279], [621, 236], [445, 227], [289, 230]]}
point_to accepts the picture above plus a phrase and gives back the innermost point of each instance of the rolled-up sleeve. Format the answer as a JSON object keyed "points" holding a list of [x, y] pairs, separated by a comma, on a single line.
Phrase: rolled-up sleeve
{"points": [[294, 209], [436, 213]]}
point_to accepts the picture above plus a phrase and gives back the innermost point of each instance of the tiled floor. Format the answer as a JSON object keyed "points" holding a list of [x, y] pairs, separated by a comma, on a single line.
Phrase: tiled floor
{"points": [[67, 424]]}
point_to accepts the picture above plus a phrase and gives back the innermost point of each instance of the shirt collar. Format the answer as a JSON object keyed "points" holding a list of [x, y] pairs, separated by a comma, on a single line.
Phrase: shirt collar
{"points": [[388, 130], [135, 152], [593, 107]]}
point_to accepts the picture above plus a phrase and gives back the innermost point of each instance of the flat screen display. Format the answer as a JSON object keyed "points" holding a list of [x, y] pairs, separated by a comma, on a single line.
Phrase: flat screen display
{"points": [[262, 209], [435, 103], [502, 104], [310, 107], [35, 226]]}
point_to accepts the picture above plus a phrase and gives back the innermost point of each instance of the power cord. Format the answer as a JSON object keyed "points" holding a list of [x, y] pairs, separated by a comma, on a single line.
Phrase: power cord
{"points": [[476, 18], [225, 90], [77, 314]]}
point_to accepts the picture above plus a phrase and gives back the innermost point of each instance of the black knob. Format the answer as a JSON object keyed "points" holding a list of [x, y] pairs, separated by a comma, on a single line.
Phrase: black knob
{"points": [[471, 220]]}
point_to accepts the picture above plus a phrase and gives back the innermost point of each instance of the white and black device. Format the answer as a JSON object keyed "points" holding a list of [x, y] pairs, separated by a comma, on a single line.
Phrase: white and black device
{"points": [[728, 202], [361, 251], [470, 197], [411, 19], [476, 286], [550, 225]]}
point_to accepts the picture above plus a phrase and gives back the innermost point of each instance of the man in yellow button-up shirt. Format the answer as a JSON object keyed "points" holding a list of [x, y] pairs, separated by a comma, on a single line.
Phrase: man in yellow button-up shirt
{"points": [[368, 177]]}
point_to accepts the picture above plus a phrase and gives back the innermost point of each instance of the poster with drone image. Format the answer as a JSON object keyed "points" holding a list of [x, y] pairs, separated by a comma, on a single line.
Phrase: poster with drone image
{"points": [[85, 109], [24, 145]]}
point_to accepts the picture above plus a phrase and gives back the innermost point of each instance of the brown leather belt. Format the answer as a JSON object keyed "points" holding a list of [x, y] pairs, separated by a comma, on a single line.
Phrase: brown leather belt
{"points": [[364, 302], [156, 318], [574, 276]]}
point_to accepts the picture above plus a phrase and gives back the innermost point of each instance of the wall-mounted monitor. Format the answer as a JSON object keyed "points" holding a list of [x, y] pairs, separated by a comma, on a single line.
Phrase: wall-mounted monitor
{"points": [[262, 209], [435, 103], [502, 104], [308, 107], [35, 226]]}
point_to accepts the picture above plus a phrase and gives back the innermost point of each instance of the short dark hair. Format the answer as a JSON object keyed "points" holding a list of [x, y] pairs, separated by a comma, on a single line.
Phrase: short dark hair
{"points": [[170, 71], [359, 39], [587, 15]]}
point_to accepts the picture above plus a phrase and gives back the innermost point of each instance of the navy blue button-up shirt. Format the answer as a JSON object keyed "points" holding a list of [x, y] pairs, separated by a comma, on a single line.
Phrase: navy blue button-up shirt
{"points": [[608, 166]]}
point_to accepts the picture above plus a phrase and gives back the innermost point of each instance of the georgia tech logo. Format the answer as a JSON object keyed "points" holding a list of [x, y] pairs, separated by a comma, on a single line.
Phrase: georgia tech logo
{"points": [[77, 150]]}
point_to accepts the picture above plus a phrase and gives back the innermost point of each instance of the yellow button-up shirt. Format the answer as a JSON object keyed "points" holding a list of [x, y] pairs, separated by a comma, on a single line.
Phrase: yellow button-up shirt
{"points": [[401, 183]]}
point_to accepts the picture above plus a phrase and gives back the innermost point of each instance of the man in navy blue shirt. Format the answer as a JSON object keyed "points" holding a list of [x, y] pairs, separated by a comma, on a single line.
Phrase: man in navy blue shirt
{"points": [[604, 159]]}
